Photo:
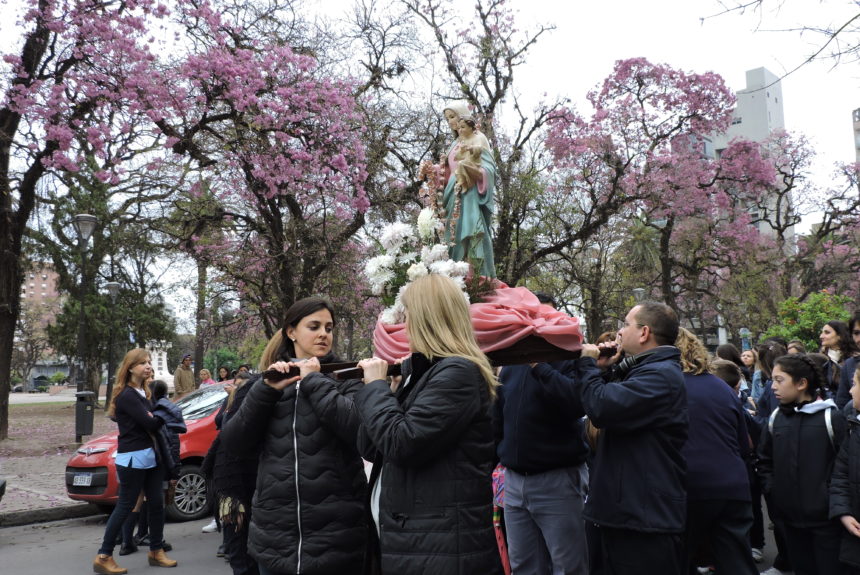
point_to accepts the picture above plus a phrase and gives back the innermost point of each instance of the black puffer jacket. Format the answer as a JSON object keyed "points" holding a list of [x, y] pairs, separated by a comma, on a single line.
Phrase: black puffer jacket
{"points": [[845, 483], [308, 511], [168, 435], [434, 445], [796, 461]]}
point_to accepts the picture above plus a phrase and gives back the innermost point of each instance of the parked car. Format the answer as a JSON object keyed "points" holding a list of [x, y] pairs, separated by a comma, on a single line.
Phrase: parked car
{"points": [[91, 473], [17, 388]]}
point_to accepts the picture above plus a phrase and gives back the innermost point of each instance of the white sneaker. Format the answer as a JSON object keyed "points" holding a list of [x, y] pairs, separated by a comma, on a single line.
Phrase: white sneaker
{"points": [[775, 571], [757, 555], [212, 527]]}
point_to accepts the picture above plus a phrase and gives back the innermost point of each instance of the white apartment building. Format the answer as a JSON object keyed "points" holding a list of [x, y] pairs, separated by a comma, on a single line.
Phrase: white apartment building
{"points": [[856, 115], [759, 113]]}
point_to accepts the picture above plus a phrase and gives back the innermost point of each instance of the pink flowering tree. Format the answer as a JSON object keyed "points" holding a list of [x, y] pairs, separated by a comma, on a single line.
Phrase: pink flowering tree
{"points": [[642, 156], [76, 61], [277, 142]]}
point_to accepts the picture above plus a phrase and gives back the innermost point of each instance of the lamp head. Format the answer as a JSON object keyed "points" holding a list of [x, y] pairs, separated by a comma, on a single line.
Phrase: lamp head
{"points": [[113, 290], [85, 225]]}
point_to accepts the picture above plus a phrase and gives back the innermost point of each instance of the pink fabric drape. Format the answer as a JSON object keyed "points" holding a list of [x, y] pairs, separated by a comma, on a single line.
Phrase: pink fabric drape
{"points": [[503, 319]]}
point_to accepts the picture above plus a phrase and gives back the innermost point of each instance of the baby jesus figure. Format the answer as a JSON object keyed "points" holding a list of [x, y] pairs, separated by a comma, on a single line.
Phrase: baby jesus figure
{"points": [[468, 167]]}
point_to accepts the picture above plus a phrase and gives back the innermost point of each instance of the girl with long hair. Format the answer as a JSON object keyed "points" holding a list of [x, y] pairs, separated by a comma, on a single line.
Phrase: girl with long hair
{"points": [[838, 344], [308, 513], [796, 458], [431, 442], [136, 463]]}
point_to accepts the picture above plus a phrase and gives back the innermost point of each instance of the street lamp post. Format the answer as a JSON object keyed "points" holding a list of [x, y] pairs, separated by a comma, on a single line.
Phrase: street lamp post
{"points": [[638, 294], [113, 291], [745, 334], [84, 224]]}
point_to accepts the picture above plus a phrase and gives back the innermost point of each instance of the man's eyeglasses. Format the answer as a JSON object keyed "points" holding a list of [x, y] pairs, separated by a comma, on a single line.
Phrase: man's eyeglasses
{"points": [[623, 324]]}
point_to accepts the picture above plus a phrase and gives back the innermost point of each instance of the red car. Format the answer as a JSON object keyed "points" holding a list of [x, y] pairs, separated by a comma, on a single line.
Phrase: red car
{"points": [[91, 474]]}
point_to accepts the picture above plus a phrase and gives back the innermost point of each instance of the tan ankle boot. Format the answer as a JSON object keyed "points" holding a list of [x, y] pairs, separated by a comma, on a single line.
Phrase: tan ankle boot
{"points": [[106, 565], [159, 559]]}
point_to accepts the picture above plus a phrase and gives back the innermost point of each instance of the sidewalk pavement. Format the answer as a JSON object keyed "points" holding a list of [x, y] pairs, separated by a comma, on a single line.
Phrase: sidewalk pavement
{"points": [[36, 491], [56, 394]]}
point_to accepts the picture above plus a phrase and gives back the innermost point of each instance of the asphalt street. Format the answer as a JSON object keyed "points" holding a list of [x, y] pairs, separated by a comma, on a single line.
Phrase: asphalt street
{"points": [[68, 548]]}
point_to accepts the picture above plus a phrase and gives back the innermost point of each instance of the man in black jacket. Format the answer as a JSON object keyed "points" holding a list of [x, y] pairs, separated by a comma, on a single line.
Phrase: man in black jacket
{"points": [[539, 440], [637, 493]]}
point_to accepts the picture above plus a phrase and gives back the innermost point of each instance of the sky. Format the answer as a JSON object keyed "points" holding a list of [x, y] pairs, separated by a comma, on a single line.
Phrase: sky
{"points": [[590, 36]]}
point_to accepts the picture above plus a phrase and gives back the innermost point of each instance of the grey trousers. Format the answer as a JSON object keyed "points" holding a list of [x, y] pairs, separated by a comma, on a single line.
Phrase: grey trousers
{"points": [[543, 520]]}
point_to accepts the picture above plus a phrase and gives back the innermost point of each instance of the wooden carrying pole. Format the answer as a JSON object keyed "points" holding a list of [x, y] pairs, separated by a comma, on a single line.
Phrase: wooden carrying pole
{"points": [[531, 349]]}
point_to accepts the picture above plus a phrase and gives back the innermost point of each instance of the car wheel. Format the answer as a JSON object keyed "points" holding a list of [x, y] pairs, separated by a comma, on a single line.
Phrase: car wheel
{"points": [[104, 508], [191, 500]]}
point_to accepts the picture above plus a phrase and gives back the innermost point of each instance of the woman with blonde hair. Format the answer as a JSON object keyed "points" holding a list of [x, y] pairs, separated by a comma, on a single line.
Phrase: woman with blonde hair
{"points": [[136, 463], [431, 441], [206, 377], [718, 488]]}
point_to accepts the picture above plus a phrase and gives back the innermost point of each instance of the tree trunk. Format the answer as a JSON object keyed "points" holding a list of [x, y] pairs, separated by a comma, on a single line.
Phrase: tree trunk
{"points": [[200, 315], [666, 265], [8, 319], [94, 375]]}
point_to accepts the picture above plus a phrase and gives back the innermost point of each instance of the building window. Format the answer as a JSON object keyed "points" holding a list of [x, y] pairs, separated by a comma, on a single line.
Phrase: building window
{"points": [[44, 286], [736, 121]]}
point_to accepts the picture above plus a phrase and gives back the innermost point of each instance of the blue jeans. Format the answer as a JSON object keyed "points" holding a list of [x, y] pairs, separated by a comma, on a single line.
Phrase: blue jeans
{"points": [[543, 519], [131, 482]]}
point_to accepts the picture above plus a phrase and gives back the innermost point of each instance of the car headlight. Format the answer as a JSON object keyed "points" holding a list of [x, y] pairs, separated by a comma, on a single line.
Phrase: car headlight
{"points": [[91, 450]]}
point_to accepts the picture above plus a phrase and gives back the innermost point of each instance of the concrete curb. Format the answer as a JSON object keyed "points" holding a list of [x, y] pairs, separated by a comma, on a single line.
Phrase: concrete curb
{"points": [[28, 516]]}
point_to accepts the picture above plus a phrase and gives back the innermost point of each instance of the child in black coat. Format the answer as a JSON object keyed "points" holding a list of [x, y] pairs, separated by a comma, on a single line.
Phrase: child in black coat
{"points": [[845, 487], [796, 458]]}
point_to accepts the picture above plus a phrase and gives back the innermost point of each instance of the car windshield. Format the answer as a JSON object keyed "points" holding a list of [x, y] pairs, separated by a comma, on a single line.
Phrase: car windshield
{"points": [[202, 402]]}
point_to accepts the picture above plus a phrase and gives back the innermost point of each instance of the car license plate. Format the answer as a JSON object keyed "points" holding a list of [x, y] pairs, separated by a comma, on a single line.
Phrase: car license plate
{"points": [[83, 480]]}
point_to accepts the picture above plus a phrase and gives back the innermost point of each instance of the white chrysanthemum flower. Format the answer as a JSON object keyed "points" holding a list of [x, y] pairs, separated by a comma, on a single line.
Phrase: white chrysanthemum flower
{"points": [[377, 264], [427, 224], [388, 316], [379, 282], [407, 257], [394, 314], [434, 253], [416, 271], [460, 269], [442, 268], [378, 272], [395, 235], [460, 281]]}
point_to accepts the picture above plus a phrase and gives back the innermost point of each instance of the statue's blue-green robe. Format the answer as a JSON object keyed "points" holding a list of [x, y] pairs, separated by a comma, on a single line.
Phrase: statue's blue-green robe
{"points": [[473, 239]]}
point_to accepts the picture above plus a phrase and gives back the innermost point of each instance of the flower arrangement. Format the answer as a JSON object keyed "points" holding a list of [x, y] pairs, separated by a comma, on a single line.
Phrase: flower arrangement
{"points": [[410, 252]]}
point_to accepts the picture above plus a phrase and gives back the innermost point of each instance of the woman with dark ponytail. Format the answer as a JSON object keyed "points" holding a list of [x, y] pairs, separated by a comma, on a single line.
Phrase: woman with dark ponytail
{"points": [[796, 458], [308, 512]]}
